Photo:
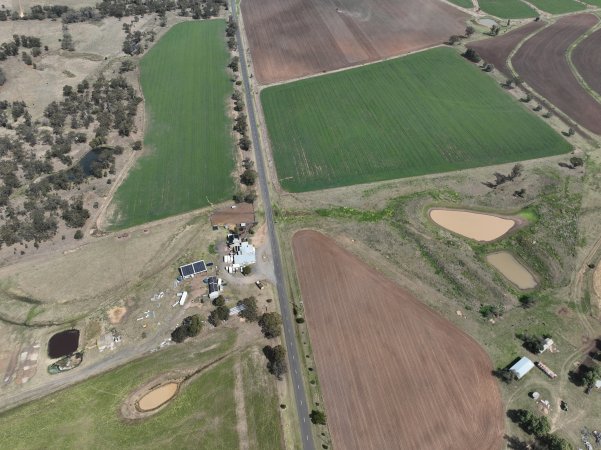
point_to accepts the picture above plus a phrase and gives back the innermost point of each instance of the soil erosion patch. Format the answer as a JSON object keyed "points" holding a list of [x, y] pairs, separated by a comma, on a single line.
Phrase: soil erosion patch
{"points": [[479, 226], [394, 374], [496, 50], [542, 63], [294, 38], [512, 269], [63, 343], [587, 59]]}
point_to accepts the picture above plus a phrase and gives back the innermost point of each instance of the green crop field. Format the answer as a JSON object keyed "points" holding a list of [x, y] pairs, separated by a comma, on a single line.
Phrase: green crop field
{"points": [[507, 9], [596, 3], [463, 3], [188, 136], [558, 6], [425, 113]]}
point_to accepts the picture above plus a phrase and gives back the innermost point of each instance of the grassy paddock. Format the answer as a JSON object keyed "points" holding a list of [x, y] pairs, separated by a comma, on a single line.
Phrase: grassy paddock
{"points": [[558, 6], [190, 158], [203, 415], [507, 9], [426, 113], [463, 3], [261, 403]]}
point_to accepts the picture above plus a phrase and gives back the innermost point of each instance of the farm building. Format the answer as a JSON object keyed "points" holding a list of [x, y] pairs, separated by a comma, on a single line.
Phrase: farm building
{"points": [[190, 270], [522, 367], [547, 344], [215, 287], [241, 253], [245, 255]]}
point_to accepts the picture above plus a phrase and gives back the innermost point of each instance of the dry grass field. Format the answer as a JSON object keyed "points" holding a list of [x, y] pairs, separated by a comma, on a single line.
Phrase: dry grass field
{"points": [[294, 38], [393, 373]]}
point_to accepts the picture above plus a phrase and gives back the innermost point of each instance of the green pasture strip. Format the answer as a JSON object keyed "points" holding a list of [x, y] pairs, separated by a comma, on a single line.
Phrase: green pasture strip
{"points": [[188, 136], [202, 415], [463, 3], [261, 404], [507, 9], [558, 6], [431, 112]]}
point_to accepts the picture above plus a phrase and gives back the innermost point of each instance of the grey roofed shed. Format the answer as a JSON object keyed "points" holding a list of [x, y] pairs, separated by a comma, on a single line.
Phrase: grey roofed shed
{"points": [[522, 367]]}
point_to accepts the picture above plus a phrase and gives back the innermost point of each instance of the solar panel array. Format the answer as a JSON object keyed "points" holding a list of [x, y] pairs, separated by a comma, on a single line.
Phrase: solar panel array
{"points": [[192, 269]]}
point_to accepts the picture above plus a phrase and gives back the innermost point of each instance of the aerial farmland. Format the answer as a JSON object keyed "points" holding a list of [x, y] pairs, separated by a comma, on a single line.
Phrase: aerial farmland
{"points": [[298, 224]]}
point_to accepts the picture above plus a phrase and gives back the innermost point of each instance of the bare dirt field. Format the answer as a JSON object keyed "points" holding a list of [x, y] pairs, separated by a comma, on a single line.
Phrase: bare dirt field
{"points": [[587, 59], [241, 213], [542, 63], [294, 38], [393, 373], [496, 50]]}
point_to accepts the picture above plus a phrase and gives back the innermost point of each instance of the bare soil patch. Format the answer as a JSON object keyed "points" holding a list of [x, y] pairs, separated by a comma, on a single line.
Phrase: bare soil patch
{"points": [[496, 50], [393, 373], [295, 38], [542, 63], [234, 215], [117, 314], [587, 59]]}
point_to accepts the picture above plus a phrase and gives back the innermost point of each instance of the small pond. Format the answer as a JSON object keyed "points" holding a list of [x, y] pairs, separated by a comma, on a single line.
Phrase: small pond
{"points": [[63, 343], [512, 269], [157, 396], [478, 226]]}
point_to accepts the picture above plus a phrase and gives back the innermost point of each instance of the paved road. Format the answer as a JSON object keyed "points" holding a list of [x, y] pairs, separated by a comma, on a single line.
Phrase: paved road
{"points": [[291, 347]]}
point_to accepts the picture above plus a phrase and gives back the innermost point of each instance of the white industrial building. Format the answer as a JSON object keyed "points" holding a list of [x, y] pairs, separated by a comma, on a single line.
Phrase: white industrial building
{"points": [[522, 367]]}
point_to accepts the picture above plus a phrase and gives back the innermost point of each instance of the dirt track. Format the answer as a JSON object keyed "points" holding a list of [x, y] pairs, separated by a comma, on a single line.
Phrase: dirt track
{"points": [[542, 63], [393, 373], [587, 59], [497, 50], [294, 38]]}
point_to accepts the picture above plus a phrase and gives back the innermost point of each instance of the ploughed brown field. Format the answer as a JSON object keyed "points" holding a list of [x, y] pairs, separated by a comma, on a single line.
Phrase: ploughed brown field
{"points": [[496, 50], [293, 38], [587, 59], [541, 62], [394, 374]]}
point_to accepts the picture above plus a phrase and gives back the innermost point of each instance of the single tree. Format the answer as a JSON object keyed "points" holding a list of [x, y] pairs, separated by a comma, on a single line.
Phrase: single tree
{"points": [[250, 311], [271, 324], [318, 417]]}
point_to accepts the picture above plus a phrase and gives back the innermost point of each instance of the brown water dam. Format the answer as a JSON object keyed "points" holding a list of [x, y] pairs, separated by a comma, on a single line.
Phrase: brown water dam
{"points": [[478, 226], [157, 397], [512, 269]]}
